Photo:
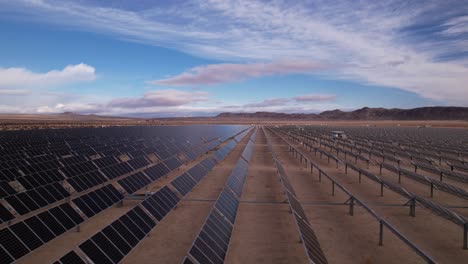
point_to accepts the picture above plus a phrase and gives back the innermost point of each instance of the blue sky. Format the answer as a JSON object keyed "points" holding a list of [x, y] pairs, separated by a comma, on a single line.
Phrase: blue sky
{"points": [[186, 58]]}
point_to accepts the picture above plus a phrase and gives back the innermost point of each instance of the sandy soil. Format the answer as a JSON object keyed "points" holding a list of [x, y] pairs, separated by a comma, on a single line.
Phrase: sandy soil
{"points": [[438, 237], [264, 231]]}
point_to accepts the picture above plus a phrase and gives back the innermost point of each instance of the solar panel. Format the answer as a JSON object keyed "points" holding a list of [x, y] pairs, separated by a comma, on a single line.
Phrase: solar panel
{"points": [[184, 183], [5, 215], [117, 239], [156, 171], [94, 253], [16, 203], [208, 163], [107, 247], [60, 215], [5, 257], [296, 206], [12, 244], [197, 172], [227, 204], [314, 251], [237, 177], [135, 182], [41, 230], [248, 150], [173, 163], [125, 233], [161, 202], [132, 227], [71, 213], [212, 242], [71, 258], [26, 235], [51, 223]]}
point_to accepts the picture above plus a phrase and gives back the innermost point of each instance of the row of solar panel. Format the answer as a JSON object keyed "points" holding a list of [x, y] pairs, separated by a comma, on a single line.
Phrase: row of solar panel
{"points": [[69, 168], [116, 240], [23, 237], [98, 200], [212, 242], [158, 205], [134, 182], [28, 201], [34, 199], [222, 152], [185, 182], [308, 238]]}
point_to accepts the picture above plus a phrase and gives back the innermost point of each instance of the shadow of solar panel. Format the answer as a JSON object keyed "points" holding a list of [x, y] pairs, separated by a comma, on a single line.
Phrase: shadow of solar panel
{"points": [[227, 204], [71, 258], [184, 183], [314, 251]]}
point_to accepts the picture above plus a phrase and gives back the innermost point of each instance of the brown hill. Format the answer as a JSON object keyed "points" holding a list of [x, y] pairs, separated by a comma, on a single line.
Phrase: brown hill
{"points": [[366, 113]]}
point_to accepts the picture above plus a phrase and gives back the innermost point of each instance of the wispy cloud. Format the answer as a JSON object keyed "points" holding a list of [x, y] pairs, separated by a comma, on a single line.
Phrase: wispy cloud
{"points": [[14, 92], [229, 72], [21, 77], [315, 97], [270, 102], [385, 43], [161, 98]]}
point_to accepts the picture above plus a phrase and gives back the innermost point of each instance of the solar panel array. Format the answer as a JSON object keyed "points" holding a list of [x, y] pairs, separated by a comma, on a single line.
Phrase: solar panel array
{"points": [[212, 242], [68, 172], [115, 241], [312, 246]]}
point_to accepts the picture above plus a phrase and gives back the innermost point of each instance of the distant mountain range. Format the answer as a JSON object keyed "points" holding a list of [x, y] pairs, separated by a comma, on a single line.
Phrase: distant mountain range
{"points": [[366, 113]]}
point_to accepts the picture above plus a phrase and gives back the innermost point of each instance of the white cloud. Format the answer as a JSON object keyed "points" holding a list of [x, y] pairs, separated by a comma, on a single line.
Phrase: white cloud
{"points": [[230, 72], [314, 97], [372, 42], [14, 92], [21, 77], [161, 98]]}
